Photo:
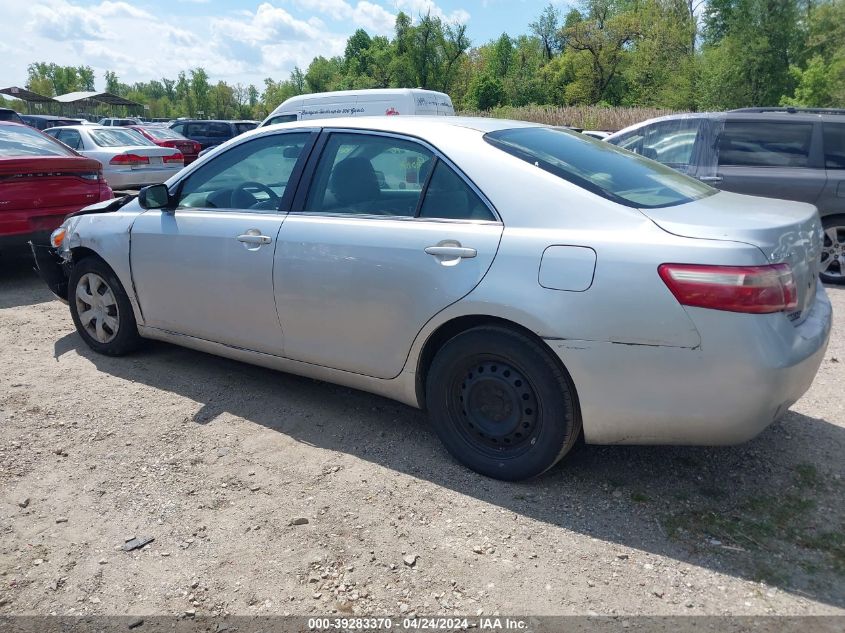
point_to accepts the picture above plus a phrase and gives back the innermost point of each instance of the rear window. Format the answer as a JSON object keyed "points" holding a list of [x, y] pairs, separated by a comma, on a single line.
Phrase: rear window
{"points": [[10, 115], [281, 118], [25, 141], [834, 145], [118, 138], [600, 167], [163, 133], [765, 144]]}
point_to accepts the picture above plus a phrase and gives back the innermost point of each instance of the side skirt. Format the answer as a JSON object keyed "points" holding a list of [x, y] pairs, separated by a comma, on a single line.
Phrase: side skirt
{"points": [[402, 388]]}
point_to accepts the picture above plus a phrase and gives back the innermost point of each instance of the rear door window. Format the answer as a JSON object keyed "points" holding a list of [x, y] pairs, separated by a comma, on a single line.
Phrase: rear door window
{"points": [[282, 118], [245, 127], [369, 175], [71, 138], [834, 145], [448, 196], [765, 144]]}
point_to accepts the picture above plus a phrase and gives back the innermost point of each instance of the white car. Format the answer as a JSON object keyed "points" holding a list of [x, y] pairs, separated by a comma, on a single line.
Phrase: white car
{"points": [[129, 160]]}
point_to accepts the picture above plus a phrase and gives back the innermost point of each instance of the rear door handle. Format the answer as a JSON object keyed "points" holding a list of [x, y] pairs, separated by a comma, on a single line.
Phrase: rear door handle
{"points": [[451, 251], [248, 238]]}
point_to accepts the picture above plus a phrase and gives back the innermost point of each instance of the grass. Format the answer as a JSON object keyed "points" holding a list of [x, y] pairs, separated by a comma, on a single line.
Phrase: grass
{"points": [[770, 524], [585, 117]]}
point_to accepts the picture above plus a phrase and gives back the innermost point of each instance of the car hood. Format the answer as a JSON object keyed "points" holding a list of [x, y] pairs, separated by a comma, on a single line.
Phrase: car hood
{"points": [[785, 231]]}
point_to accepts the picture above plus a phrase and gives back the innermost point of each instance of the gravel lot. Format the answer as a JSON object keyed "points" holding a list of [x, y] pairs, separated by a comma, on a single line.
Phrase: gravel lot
{"points": [[268, 493]]}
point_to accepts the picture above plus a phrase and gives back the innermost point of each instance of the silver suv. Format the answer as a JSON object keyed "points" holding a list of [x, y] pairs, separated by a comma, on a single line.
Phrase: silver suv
{"points": [[789, 153]]}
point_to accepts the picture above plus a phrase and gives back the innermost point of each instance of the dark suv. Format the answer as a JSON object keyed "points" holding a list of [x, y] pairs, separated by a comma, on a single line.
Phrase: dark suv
{"points": [[795, 154], [10, 115], [211, 133]]}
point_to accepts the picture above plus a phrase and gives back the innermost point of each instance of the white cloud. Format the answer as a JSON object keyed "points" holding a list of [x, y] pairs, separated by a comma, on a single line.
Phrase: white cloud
{"points": [[63, 21], [373, 18], [368, 15], [120, 10], [417, 8], [238, 44]]}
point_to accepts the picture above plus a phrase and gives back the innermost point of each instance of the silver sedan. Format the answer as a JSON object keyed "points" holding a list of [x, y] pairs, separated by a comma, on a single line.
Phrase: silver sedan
{"points": [[525, 285], [129, 160]]}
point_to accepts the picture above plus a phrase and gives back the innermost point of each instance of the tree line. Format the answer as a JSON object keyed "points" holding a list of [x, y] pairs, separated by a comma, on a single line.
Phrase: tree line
{"points": [[676, 54]]}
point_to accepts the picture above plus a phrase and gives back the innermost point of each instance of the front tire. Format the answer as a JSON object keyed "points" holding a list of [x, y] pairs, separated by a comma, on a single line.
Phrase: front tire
{"points": [[832, 267], [101, 309], [501, 404]]}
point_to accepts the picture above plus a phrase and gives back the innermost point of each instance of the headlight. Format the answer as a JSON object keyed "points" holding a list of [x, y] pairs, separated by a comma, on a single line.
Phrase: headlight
{"points": [[57, 237]]}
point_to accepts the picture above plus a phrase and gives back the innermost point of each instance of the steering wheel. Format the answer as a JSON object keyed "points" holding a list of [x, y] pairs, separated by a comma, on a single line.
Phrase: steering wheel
{"points": [[240, 193]]}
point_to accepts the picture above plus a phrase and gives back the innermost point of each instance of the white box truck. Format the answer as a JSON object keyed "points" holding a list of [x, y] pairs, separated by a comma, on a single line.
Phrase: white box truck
{"points": [[376, 102]]}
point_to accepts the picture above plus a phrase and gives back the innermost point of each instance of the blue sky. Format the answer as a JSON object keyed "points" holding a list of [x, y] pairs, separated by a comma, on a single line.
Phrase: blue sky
{"points": [[239, 41]]}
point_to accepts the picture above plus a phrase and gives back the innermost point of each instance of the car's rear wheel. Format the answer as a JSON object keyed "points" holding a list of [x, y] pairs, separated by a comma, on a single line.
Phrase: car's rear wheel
{"points": [[832, 268], [100, 308], [501, 404]]}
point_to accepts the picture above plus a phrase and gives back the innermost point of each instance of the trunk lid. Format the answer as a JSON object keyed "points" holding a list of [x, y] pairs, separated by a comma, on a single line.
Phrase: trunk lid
{"points": [[155, 153], [785, 231], [45, 181]]}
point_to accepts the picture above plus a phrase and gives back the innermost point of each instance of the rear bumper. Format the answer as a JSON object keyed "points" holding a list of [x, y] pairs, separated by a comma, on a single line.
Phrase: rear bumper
{"points": [[51, 270], [134, 178], [747, 372], [19, 227]]}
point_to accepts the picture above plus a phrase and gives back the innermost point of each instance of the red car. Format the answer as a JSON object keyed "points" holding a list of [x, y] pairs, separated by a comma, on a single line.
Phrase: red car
{"points": [[165, 137], [42, 181]]}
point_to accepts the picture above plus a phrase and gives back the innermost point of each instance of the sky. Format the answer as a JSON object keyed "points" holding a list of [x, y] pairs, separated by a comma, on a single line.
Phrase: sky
{"points": [[238, 41]]}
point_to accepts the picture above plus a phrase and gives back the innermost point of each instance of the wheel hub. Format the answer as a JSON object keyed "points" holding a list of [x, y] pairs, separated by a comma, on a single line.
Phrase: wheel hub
{"points": [[498, 406]]}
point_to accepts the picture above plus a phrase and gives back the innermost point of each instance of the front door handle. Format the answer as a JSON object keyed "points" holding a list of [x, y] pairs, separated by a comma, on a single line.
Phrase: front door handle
{"points": [[451, 251], [713, 179], [251, 238]]}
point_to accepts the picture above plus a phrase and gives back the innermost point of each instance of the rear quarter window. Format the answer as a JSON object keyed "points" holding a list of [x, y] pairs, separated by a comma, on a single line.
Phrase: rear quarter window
{"points": [[765, 144], [599, 167], [834, 145]]}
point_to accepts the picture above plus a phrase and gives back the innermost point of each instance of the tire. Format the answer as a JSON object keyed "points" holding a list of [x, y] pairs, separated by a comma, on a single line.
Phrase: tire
{"points": [[94, 288], [832, 269], [501, 404]]}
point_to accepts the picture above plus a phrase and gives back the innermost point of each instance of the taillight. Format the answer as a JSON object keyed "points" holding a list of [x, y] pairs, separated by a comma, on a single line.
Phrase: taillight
{"points": [[89, 175], [175, 158], [129, 159], [197, 148], [167, 143], [753, 289]]}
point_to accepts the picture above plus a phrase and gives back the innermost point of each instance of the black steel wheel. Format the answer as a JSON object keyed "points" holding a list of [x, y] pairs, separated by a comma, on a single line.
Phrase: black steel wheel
{"points": [[501, 404]]}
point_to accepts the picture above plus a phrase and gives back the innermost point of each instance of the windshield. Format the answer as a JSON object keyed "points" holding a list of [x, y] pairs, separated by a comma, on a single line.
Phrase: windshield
{"points": [[600, 167], [118, 138], [24, 141]]}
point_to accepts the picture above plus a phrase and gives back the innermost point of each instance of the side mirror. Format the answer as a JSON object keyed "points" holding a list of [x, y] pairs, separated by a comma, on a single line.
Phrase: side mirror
{"points": [[154, 197]]}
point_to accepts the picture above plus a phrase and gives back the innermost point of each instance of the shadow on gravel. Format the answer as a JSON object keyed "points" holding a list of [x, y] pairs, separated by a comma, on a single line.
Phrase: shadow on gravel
{"points": [[770, 510], [19, 283]]}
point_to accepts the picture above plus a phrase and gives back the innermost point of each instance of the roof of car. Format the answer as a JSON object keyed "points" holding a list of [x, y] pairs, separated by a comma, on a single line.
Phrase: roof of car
{"points": [[409, 124]]}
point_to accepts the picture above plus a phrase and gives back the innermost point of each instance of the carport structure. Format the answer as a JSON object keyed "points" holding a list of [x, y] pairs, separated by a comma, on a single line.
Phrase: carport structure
{"points": [[74, 101], [29, 97]]}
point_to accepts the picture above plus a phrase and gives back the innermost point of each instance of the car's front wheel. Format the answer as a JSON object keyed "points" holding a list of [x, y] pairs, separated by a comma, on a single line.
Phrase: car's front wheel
{"points": [[100, 308], [501, 404], [832, 268]]}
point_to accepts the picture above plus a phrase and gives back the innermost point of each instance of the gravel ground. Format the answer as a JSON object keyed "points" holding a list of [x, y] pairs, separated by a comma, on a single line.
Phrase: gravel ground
{"points": [[269, 493]]}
